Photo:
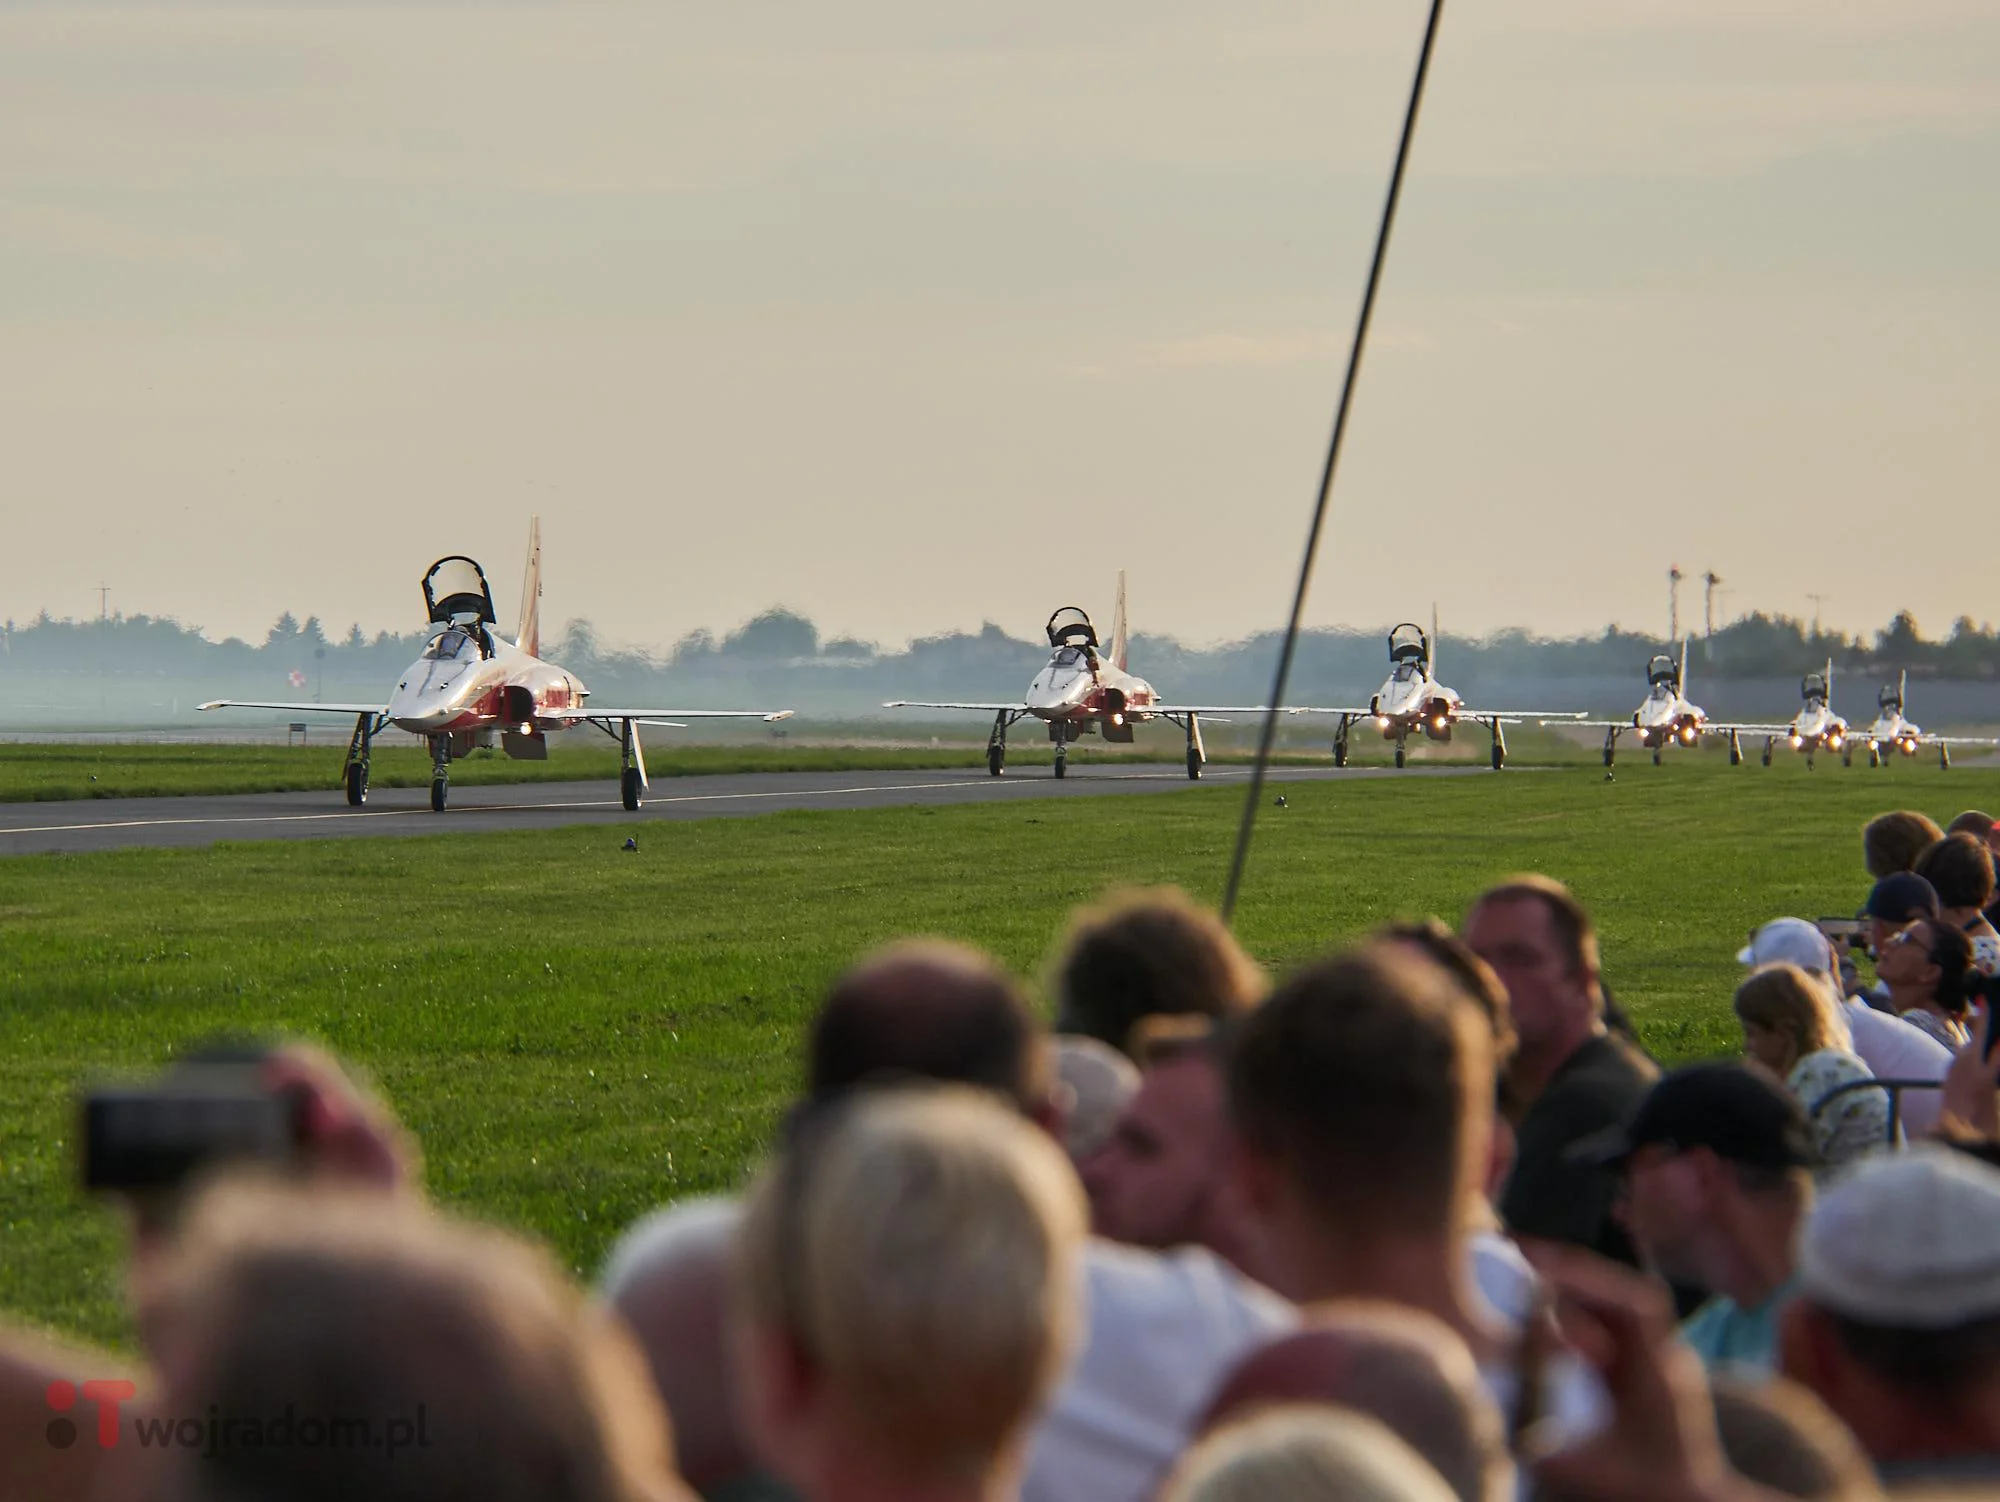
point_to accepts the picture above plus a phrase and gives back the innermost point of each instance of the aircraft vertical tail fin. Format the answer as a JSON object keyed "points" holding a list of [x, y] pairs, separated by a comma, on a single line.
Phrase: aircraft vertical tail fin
{"points": [[529, 637], [1431, 667], [1118, 639], [1681, 670], [1903, 688]]}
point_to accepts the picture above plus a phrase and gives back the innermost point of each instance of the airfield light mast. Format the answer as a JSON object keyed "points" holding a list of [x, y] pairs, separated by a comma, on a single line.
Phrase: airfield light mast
{"points": [[1709, 581], [1674, 604], [1818, 600]]}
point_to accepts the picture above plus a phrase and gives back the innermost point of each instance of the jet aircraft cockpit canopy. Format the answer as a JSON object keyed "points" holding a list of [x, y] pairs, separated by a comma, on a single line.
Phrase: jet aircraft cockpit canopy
{"points": [[456, 587], [1409, 648], [1813, 686], [455, 644], [1070, 627], [1663, 673], [1890, 699]]}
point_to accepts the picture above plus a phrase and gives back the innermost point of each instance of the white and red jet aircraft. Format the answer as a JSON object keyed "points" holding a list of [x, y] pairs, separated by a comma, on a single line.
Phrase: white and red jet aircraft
{"points": [[1892, 732], [470, 683], [1085, 690], [1411, 701], [1815, 725], [1669, 718]]}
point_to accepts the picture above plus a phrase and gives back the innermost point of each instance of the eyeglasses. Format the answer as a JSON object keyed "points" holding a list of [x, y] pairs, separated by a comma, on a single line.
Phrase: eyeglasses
{"points": [[1908, 935]]}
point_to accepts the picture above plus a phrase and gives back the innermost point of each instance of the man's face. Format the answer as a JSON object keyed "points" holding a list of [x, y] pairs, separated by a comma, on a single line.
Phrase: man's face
{"points": [[1904, 960], [1661, 1208], [1516, 936], [1153, 1181]]}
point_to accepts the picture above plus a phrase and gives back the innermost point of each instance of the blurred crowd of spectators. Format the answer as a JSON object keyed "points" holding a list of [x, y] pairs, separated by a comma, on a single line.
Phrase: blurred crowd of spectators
{"points": [[1420, 1221]]}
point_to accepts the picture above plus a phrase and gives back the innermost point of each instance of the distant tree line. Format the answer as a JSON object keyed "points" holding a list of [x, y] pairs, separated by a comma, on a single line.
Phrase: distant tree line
{"points": [[781, 647]]}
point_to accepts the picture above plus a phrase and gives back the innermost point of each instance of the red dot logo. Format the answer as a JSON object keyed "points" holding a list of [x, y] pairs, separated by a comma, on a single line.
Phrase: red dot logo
{"points": [[62, 1398]]}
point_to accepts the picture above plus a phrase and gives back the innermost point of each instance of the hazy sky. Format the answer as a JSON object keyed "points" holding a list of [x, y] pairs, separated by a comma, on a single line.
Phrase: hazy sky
{"points": [[912, 315]]}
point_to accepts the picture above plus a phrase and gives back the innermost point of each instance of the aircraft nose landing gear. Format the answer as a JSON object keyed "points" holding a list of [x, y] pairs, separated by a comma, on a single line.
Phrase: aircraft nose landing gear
{"points": [[440, 772]]}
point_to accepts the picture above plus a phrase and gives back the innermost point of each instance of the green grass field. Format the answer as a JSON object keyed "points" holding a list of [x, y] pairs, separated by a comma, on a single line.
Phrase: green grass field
{"points": [[578, 1033]]}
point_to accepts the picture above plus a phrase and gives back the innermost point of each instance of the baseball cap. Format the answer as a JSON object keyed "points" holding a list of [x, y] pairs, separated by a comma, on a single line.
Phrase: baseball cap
{"points": [[1902, 898], [1788, 941], [1907, 1240], [1739, 1116]]}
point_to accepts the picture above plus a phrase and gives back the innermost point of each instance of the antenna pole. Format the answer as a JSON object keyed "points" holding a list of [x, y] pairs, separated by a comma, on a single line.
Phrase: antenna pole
{"points": [[1270, 730]]}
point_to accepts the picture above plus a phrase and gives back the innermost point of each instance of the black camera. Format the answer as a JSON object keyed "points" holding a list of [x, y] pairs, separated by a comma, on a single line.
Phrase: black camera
{"points": [[151, 1139]]}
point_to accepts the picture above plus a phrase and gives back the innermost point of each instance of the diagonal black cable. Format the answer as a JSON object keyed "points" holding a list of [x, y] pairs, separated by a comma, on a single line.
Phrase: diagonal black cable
{"points": [[1276, 706]]}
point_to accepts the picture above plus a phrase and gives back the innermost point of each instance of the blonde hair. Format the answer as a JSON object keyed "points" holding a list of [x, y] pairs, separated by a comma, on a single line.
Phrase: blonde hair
{"points": [[1305, 1453], [919, 1249], [1785, 999], [362, 1308]]}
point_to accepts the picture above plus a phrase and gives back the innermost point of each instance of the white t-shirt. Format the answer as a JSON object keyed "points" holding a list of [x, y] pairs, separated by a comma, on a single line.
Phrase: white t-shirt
{"points": [[1162, 1331], [1893, 1050], [1574, 1401]]}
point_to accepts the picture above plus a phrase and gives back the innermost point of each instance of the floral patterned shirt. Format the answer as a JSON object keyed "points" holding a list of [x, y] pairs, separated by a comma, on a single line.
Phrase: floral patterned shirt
{"points": [[1856, 1123], [1953, 1035]]}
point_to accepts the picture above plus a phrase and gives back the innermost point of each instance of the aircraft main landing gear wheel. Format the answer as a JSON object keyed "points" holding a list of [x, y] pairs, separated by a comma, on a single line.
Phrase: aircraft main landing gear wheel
{"points": [[996, 760], [1767, 753], [1735, 750], [630, 786], [357, 783], [438, 790], [1499, 756], [1944, 758], [1194, 764], [1847, 755], [1340, 753]]}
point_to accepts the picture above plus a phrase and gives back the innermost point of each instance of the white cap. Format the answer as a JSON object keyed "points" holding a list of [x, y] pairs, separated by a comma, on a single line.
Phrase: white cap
{"points": [[1909, 1240], [1100, 1083], [1789, 941]]}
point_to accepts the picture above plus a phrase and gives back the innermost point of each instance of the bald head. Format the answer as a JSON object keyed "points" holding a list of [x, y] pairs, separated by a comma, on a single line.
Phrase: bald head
{"points": [[668, 1277], [1408, 1370], [930, 1011]]}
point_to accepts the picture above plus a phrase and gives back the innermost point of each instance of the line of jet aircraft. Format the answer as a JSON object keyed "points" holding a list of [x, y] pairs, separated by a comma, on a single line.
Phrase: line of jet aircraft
{"points": [[471, 686]]}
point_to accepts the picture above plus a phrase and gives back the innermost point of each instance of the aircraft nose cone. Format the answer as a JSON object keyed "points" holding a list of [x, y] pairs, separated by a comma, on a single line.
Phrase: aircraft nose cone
{"points": [[1057, 691]]}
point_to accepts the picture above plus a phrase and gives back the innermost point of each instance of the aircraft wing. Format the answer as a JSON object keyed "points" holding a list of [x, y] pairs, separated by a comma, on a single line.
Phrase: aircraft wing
{"points": [[982, 708], [1712, 727], [1520, 716], [1957, 740], [594, 713], [295, 708], [1213, 709]]}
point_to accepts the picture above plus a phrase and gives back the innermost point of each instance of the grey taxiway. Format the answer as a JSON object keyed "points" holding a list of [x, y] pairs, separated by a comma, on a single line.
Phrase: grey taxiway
{"points": [[191, 822]]}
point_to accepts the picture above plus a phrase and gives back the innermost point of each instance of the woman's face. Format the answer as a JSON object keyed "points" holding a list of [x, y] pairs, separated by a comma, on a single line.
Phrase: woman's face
{"points": [[1769, 1047], [1905, 961]]}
